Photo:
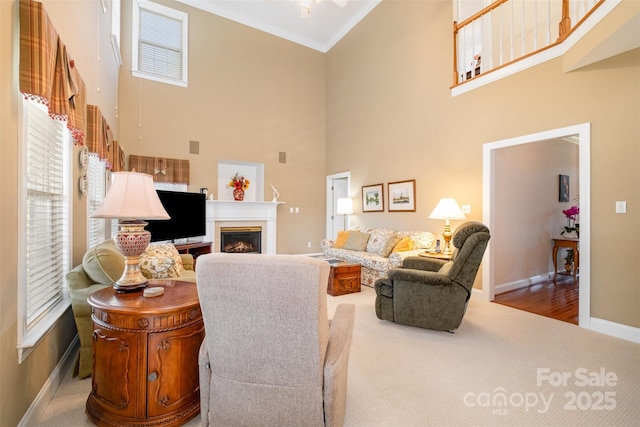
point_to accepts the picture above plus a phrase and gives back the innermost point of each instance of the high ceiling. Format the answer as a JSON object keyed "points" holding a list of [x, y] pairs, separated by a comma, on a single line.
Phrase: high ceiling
{"points": [[325, 25]]}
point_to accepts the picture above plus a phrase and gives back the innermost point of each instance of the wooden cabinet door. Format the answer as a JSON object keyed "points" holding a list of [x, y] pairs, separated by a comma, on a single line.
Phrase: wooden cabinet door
{"points": [[114, 381], [172, 377]]}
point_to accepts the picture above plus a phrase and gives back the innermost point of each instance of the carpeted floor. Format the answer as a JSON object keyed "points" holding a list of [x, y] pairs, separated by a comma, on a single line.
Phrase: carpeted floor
{"points": [[501, 367]]}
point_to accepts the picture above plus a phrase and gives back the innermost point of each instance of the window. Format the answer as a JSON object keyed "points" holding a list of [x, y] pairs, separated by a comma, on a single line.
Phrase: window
{"points": [[97, 176], [44, 244], [115, 29], [159, 39]]}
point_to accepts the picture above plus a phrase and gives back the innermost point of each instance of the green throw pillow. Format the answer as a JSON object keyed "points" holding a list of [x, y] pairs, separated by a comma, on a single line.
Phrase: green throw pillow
{"points": [[103, 263]]}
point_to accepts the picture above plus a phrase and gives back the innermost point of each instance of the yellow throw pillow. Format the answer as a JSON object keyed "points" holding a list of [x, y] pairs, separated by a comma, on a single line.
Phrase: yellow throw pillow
{"points": [[405, 244], [341, 239]]}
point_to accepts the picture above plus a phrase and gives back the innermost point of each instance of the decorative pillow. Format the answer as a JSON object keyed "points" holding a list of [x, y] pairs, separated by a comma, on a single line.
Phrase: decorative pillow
{"points": [[405, 244], [357, 241], [341, 239], [391, 243], [378, 241], [103, 263], [157, 267], [155, 261], [421, 239], [172, 252]]}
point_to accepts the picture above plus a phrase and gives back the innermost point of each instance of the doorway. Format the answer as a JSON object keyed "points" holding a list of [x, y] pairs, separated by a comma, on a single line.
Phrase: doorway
{"points": [[337, 186], [491, 213]]}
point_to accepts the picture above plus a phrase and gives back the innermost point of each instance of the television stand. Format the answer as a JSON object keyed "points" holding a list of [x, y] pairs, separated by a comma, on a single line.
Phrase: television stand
{"points": [[195, 249]]}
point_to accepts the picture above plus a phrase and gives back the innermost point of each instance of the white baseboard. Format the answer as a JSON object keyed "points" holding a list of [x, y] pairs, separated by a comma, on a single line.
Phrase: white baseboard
{"points": [[522, 283], [614, 329], [40, 403]]}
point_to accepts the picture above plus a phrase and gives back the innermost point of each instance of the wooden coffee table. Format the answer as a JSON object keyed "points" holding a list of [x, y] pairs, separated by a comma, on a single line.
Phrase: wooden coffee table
{"points": [[344, 278]]}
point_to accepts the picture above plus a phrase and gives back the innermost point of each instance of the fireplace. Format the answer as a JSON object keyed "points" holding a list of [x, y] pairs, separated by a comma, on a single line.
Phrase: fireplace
{"points": [[228, 213], [241, 239]]}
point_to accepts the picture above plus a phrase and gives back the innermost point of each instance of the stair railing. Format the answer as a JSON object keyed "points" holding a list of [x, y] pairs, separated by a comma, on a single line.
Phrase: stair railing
{"points": [[507, 31]]}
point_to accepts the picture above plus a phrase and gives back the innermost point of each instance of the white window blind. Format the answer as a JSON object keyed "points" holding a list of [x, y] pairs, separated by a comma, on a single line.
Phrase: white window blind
{"points": [[160, 43], [97, 176], [45, 244]]}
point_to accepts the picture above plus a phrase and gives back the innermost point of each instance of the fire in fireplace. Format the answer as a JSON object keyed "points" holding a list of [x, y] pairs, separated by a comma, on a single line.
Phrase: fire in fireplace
{"points": [[241, 239]]}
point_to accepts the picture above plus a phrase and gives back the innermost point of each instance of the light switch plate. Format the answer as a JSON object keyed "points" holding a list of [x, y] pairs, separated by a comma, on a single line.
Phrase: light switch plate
{"points": [[466, 209], [621, 207]]}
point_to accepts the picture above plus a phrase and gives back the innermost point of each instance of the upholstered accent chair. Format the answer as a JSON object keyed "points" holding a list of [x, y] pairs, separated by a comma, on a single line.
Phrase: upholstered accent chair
{"points": [[431, 293], [270, 356]]}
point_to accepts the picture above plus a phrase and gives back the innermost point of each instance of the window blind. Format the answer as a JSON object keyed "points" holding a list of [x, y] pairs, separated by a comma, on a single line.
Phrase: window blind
{"points": [[47, 213], [160, 45], [96, 174]]}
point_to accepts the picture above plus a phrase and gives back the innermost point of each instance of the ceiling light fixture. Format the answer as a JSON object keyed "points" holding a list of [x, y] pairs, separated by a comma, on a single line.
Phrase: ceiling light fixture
{"points": [[306, 5]]}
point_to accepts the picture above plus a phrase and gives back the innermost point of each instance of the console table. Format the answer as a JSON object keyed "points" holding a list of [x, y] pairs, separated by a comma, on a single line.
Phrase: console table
{"points": [[145, 356], [562, 242], [195, 249]]}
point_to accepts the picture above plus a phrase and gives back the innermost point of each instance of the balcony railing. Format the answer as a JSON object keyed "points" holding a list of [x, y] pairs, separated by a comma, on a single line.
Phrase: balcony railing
{"points": [[507, 31]]}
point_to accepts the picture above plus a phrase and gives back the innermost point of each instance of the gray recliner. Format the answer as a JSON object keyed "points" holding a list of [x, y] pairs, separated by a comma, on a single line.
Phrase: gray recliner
{"points": [[270, 356], [431, 293]]}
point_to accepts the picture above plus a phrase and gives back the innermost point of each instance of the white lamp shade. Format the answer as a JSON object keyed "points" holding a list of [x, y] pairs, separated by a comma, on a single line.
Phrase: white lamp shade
{"points": [[344, 206], [131, 196], [447, 209]]}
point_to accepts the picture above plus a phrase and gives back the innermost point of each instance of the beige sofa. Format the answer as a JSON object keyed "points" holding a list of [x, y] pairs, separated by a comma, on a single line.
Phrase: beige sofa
{"points": [[377, 249], [101, 267]]}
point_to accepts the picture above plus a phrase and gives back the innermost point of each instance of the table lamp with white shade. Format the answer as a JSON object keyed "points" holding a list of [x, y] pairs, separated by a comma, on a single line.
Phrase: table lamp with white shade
{"points": [[447, 209], [131, 199], [344, 207]]}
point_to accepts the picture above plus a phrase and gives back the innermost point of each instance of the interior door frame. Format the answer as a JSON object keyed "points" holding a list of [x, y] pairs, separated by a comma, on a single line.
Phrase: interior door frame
{"points": [[488, 202], [329, 234]]}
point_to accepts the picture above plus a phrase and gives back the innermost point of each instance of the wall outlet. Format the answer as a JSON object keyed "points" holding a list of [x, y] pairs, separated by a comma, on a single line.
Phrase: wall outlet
{"points": [[466, 209], [621, 206], [308, 244]]}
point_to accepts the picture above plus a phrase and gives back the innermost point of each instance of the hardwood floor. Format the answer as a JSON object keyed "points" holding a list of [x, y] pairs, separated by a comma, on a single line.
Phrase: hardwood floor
{"points": [[558, 301]]}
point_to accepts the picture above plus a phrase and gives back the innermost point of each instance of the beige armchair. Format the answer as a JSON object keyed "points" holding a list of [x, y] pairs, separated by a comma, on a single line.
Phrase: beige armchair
{"points": [[270, 356]]}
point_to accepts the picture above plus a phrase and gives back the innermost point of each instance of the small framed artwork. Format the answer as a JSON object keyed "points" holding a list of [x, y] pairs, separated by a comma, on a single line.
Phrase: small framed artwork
{"points": [[563, 185], [402, 196], [373, 198]]}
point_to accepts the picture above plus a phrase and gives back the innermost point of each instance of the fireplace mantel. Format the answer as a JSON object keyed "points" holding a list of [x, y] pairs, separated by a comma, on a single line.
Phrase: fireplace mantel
{"points": [[231, 213]]}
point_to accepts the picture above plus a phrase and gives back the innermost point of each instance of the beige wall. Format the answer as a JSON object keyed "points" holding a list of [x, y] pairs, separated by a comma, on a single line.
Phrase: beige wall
{"points": [[390, 116], [20, 383], [250, 96], [527, 212]]}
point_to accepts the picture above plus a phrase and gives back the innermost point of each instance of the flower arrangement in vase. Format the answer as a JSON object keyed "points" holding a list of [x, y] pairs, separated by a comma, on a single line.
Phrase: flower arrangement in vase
{"points": [[571, 215], [239, 184]]}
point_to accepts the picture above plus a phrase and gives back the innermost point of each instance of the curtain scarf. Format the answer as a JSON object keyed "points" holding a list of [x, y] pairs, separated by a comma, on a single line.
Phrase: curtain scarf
{"points": [[47, 73], [99, 136]]}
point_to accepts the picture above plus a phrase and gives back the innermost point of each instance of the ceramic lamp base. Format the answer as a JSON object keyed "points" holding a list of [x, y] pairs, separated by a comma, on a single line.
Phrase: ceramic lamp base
{"points": [[131, 240]]}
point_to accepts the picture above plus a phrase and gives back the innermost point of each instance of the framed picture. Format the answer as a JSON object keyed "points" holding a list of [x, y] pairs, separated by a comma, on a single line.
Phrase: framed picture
{"points": [[563, 185], [373, 198], [402, 196]]}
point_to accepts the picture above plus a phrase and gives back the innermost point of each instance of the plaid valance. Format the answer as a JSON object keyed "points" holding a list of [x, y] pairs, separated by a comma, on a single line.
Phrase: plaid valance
{"points": [[161, 168], [115, 156], [47, 73], [99, 135]]}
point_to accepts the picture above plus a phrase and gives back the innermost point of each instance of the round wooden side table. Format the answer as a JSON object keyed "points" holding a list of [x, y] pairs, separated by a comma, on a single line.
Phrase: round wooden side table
{"points": [[145, 356]]}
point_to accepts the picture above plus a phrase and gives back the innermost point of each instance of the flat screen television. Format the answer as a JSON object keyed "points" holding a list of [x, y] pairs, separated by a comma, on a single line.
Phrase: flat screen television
{"points": [[187, 212]]}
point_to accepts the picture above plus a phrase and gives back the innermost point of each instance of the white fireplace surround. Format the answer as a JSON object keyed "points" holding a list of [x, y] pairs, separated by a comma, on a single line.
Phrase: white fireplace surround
{"points": [[224, 213]]}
